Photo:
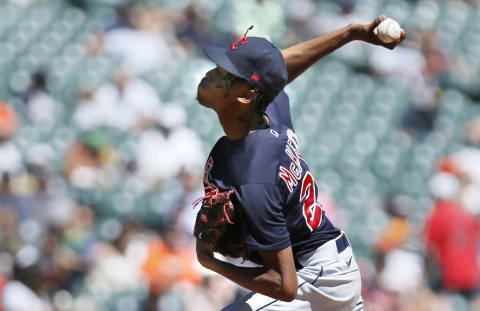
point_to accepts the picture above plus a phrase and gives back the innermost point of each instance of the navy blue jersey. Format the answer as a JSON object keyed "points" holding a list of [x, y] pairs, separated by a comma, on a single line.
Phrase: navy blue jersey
{"points": [[273, 184]]}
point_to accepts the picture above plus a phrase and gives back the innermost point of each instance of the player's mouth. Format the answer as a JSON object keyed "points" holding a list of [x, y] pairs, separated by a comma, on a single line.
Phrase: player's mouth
{"points": [[199, 98]]}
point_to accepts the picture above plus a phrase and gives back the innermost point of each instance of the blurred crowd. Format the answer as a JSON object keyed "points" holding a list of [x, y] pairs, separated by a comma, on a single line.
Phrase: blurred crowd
{"points": [[98, 216]]}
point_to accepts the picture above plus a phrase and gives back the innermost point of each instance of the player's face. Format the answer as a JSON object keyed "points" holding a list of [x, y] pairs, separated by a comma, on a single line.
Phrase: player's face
{"points": [[216, 89]]}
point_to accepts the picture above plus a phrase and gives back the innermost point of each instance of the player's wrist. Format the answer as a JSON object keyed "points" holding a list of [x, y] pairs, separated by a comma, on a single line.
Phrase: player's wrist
{"points": [[204, 253], [357, 31], [206, 259]]}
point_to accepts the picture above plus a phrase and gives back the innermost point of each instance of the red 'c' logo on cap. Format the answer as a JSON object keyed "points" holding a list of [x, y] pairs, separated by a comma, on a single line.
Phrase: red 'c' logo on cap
{"points": [[255, 77], [242, 41]]}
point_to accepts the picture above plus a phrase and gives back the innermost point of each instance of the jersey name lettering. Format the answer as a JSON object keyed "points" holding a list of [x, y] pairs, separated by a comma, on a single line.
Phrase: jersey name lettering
{"points": [[293, 174], [288, 178]]}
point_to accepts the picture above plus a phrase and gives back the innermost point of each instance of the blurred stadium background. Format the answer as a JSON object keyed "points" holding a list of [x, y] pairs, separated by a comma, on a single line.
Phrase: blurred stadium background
{"points": [[102, 146]]}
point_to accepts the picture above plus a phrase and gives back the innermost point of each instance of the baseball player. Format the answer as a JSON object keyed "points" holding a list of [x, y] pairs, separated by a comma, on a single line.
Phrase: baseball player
{"points": [[308, 263]]}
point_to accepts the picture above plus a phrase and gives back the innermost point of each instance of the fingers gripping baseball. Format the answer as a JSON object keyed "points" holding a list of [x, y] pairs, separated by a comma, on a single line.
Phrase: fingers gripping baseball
{"points": [[387, 32], [382, 31], [377, 21]]}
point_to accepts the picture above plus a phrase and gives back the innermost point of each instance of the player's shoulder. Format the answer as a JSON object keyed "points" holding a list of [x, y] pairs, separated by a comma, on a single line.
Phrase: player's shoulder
{"points": [[253, 159], [266, 140], [269, 141]]}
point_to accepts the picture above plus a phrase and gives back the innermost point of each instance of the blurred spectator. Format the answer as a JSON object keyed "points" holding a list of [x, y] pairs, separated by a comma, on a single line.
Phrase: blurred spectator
{"points": [[8, 122], [473, 131], [89, 159], [301, 16], [402, 272], [467, 159], [127, 104], [148, 42], [79, 234], [89, 113], [426, 95], [437, 60], [392, 248], [81, 4], [207, 297], [465, 165], [22, 2], [341, 13], [42, 109], [423, 68], [11, 241], [404, 61], [136, 101], [59, 265], [398, 229], [420, 118], [21, 293], [171, 262], [267, 17], [180, 147], [111, 272], [452, 238], [133, 243], [121, 17], [193, 29], [11, 158], [185, 215], [470, 198]]}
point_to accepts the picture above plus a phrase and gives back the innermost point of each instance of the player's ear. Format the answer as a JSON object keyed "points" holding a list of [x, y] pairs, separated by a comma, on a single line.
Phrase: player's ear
{"points": [[247, 96]]}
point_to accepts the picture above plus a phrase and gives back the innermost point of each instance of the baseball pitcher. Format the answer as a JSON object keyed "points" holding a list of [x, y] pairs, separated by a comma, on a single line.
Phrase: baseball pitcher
{"points": [[260, 198]]}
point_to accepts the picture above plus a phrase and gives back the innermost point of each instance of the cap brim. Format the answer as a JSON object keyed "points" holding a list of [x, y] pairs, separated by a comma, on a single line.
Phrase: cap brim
{"points": [[219, 56]]}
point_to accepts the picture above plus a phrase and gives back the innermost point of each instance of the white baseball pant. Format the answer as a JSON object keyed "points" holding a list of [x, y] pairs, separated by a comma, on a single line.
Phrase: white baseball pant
{"points": [[329, 281]]}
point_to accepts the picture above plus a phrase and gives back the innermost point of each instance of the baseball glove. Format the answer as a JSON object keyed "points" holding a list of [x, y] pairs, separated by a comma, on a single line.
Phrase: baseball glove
{"points": [[219, 223]]}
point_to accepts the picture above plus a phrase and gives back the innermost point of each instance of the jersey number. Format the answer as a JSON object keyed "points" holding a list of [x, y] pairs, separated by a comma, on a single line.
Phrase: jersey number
{"points": [[312, 211]]}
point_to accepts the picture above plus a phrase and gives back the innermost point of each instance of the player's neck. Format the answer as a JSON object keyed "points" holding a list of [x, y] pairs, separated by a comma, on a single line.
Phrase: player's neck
{"points": [[237, 128]]}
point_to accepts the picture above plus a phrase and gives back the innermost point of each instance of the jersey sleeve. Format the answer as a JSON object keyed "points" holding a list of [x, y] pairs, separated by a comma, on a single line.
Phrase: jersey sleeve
{"points": [[264, 221]]}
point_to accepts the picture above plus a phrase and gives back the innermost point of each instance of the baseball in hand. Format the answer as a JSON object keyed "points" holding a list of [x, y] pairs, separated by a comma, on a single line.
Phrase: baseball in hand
{"points": [[389, 30]]}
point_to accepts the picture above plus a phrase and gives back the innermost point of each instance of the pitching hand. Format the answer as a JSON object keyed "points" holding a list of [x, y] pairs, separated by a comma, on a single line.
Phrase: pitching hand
{"points": [[367, 31]]}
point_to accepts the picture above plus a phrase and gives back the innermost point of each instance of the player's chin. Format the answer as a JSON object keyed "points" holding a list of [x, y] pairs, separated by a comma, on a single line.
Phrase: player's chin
{"points": [[201, 101]]}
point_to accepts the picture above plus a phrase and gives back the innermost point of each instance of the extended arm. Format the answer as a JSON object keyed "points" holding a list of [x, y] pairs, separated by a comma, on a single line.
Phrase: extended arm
{"points": [[300, 57], [277, 279]]}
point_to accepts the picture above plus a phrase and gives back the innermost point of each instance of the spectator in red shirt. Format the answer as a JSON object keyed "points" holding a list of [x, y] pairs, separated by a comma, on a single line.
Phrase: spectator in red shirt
{"points": [[452, 238]]}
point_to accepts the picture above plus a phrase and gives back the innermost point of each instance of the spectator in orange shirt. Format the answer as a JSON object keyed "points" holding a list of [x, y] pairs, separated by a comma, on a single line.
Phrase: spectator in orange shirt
{"points": [[171, 262], [8, 121]]}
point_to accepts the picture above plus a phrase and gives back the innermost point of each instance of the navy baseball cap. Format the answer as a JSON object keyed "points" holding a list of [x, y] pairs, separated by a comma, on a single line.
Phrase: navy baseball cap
{"points": [[254, 59]]}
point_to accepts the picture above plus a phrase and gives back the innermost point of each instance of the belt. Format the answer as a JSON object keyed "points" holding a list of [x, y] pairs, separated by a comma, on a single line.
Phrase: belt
{"points": [[342, 243], [326, 251]]}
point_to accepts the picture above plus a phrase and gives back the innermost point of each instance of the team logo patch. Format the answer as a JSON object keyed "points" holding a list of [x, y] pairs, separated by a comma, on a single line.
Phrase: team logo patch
{"points": [[242, 41]]}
